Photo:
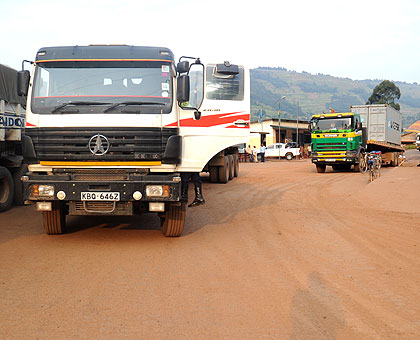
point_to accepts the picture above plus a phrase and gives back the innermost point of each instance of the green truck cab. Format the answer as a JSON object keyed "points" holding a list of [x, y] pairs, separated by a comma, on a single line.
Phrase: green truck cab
{"points": [[336, 140]]}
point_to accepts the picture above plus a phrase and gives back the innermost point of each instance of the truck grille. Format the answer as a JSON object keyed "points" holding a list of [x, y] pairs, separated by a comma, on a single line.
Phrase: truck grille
{"points": [[125, 144], [331, 146], [120, 208]]}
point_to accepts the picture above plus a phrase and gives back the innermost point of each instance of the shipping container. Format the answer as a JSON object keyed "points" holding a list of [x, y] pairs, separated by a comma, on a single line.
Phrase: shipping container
{"points": [[380, 123]]}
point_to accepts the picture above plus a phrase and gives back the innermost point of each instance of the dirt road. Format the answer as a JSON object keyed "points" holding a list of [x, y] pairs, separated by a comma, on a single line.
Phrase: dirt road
{"points": [[279, 253]]}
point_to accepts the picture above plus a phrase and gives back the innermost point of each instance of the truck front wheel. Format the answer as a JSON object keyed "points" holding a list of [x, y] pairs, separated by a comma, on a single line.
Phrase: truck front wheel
{"points": [[320, 168], [6, 189], [289, 156], [173, 222], [55, 220]]}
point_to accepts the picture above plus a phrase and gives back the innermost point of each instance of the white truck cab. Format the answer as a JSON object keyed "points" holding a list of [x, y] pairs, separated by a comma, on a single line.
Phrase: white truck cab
{"points": [[110, 128]]}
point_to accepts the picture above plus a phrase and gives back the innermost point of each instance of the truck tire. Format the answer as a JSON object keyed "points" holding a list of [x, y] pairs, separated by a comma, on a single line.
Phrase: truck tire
{"points": [[289, 156], [214, 174], [231, 166], [224, 171], [21, 171], [236, 165], [6, 189], [173, 222], [55, 220], [320, 168]]}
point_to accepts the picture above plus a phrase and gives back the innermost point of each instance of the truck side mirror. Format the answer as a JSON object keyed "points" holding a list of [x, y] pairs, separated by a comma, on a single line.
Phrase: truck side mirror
{"points": [[23, 83], [183, 89], [183, 67]]}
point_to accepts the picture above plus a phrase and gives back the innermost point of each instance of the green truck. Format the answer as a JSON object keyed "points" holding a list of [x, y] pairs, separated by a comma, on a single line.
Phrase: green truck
{"points": [[340, 139]]}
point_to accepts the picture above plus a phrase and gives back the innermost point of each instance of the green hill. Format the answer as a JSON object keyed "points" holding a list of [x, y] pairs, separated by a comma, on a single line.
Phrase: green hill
{"points": [[317, 93]]}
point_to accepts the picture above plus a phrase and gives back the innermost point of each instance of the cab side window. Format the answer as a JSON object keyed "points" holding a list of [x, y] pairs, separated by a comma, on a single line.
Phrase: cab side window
{"points": [[224, 87]]}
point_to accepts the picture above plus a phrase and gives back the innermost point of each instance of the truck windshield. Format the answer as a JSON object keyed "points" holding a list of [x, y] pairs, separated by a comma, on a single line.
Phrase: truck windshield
{"points": [[92, 86], [332, 124]]}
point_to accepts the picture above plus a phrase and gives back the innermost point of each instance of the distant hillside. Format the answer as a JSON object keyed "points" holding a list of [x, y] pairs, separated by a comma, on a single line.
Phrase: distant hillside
{"points": [[317, 93]]}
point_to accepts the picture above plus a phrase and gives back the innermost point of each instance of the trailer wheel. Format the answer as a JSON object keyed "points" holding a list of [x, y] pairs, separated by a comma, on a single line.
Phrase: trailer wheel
{"points": [[236, 165], [289, 156], [173, 222], [214, 174], [21, 171], [231, 166], [320, 168], [55, 220], [6, 189], [224, 171]]}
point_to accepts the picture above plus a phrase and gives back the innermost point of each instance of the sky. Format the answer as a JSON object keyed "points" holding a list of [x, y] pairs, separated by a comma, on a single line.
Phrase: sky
{"points": [[358, 39]]}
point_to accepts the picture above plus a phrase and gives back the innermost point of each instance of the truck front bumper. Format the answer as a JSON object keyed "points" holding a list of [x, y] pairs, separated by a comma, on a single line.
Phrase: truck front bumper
{"points": [[335, 157], [93, 193]]}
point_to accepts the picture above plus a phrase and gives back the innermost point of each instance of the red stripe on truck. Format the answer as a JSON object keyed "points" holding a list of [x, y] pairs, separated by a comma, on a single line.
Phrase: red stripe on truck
{"points": [[214, 120]]}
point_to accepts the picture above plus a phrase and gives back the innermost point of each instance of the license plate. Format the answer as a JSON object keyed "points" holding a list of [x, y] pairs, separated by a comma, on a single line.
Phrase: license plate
{"points": [[330, 159], [100, 196]]}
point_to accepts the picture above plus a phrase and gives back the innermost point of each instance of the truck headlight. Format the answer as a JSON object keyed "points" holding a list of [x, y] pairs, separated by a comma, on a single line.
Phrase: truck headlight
{"points": [[157, 190], [41, 190], [350, 139], [46, 190]]}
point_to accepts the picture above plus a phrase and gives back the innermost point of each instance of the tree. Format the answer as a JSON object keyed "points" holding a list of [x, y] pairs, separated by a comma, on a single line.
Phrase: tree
{"points": [[385, 93]]}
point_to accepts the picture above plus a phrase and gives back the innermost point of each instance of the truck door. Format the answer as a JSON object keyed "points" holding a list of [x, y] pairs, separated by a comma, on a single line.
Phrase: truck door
{"points": [[225, 114]]}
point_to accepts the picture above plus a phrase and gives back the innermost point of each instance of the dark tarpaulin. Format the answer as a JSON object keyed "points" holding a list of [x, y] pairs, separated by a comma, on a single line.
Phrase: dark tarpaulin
{"points": [[8, 86]]}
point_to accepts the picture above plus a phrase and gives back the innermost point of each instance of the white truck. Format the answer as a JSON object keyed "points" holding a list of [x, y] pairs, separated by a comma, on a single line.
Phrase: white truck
{"points": [[283, 150], [12, 118], [110, 128], [418, 141]]}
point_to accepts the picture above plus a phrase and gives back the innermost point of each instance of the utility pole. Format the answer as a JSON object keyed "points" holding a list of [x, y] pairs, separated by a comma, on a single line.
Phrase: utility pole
{"points": [[279, 116], [297, 125]]}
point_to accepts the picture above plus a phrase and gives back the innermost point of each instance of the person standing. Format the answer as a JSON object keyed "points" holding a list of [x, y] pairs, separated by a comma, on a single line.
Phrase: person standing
{"points": [[255, 154], [186, 177], [301, 155], [262, 151], [249, 153]]}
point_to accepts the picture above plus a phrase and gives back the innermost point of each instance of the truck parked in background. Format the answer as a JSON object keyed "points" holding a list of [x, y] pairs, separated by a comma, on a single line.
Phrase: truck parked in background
{"points": [[12, 123], [340, 139], [110, 128], [418, 141]]}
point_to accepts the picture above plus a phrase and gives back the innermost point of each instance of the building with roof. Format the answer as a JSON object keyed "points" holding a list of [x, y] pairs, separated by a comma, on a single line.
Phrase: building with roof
{"points": [[290, 130]]}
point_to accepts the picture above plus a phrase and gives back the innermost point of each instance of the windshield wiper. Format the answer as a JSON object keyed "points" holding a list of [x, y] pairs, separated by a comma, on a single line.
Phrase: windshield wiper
{"points": [[113, 106], [59, 107]]}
